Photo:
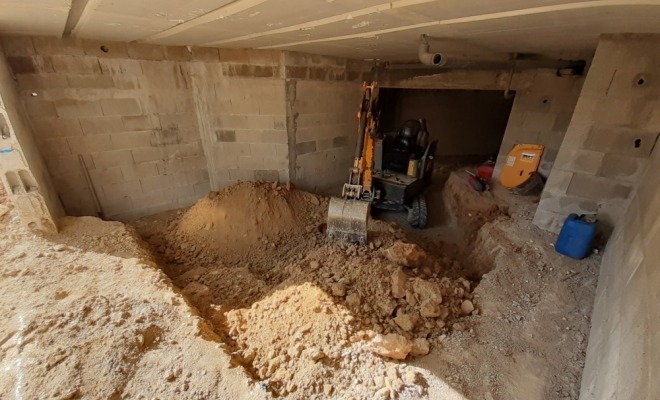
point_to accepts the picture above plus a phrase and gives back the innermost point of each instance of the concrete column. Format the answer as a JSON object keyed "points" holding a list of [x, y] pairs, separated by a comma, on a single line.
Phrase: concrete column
{"points": [[22, 168], [612, 134]]}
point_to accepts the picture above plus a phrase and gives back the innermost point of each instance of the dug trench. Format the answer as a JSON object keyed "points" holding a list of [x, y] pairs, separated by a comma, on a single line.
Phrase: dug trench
{"points": [[307, 319]]}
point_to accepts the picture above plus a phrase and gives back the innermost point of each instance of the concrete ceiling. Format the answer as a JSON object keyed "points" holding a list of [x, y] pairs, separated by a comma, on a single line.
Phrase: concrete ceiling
{"points": [[361, 29]]}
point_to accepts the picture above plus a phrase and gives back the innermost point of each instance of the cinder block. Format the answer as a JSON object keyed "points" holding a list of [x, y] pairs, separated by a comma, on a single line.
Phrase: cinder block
{"points": [[539, 121], [549, 221], [184, 104], [171, 166], [282, 150], [621, 140], [105, 49], [225, 135], [148, 154], [267, 175], [40, 108], [163, 103], [56, 147], [76, 65], [583, 161], [120, 67], [273, 136], [649, 119], [179, 192], [293, 72], [102, 177], [139, 171], [90, 144], [116, 206], [236, 149], [625, 168], [77, 108], [137, 123], [262, 150], [149, 199], [324, 144], [271, 107], [91, 81], [130, 215], [205, 54], [199, 176], [263, 122], [226, 162], [22, 65], [162, 75], [234, 56], [305, 147], [250, 163], [245, 107], [123, 107], [558, 181], [232, 121], [178, 179], [202, 188], [170, 205], [153, 183], [18, 45], [248, 136], [598, 188], [48, 81], [110, 159], [177, 53], [142, 51], [123, 189], [278, 163], [131, 140], [100, 125], [53, 45], [194, 163], [340, 141], [612, 111]]}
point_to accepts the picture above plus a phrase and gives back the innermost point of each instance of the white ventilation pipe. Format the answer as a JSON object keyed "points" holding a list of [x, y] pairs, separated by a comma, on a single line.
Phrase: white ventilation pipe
{"points": [[432, 59]]}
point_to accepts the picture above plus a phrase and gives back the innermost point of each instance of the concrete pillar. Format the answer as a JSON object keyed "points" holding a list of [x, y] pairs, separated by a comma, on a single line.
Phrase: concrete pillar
{"points": [[22, 168]]}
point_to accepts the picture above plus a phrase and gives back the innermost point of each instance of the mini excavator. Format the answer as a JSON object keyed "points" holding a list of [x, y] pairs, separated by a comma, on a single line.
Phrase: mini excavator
{"points": [[390, 172]]}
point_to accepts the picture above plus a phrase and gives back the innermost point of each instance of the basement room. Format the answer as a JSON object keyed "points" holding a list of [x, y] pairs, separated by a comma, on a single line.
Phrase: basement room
{"points": [[329, 199]]}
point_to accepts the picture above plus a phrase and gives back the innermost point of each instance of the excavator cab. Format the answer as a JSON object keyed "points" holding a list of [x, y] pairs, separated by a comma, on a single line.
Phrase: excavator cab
{"points": [[389, 172]]}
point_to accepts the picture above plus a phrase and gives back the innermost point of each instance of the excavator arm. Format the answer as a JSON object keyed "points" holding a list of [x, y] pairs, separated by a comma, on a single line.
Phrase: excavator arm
{"points": [[347, 216]]}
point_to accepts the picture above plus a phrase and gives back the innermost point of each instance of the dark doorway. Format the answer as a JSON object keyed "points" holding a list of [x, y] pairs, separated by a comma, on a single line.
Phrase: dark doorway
{"points": [[468, 124]]}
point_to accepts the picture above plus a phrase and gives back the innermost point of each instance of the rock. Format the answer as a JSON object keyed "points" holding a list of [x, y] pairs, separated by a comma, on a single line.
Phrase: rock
{"points": [[382, 394], [274, 186], [467, 307], [327, 389], [392, 346], [399, 283], [353, 299], [406, 322], [410, 298], [314, 265], [441, 324], [430, 309], [458, 327], [411, 377], [406, 254], [59, 247], [338, 289], [3, 210], [427, 291], [315, 354], [314, 200], [208, 226], [420, 347]]}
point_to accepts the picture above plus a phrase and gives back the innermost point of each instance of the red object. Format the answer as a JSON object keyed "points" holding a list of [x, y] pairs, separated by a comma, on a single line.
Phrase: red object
{"points": [[486, 171]]}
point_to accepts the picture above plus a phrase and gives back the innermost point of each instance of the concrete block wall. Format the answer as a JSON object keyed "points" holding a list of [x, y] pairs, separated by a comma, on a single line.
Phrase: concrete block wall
{"points": [[541, 114], [23, 171], [612, 134], [157, 127], [323, 94], [622, 356]]}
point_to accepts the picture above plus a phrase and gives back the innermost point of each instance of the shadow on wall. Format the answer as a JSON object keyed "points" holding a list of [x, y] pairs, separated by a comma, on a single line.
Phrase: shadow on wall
{"points": [[468, 124]]}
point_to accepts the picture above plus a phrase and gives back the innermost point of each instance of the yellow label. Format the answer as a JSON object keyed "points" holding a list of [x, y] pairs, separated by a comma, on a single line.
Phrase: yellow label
{"points": [[411, 168]]}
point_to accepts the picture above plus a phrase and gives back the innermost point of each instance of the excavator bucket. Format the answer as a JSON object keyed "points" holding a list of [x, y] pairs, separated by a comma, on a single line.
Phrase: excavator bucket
{"points": [[347, 220]]}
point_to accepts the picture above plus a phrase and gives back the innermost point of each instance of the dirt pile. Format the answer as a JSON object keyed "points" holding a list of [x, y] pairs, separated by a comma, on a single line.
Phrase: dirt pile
{"points": [[472, 209]]}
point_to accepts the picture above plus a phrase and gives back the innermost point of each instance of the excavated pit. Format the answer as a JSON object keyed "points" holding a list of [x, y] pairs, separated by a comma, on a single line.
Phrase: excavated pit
{"points": [[303, 317]]}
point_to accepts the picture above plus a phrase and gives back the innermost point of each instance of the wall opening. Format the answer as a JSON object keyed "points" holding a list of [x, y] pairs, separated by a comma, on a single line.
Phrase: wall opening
{"points": [[468, 124]]}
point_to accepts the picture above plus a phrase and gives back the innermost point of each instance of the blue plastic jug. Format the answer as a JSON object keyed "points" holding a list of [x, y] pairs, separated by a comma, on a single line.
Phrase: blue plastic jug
{"points": [[576, 236]]}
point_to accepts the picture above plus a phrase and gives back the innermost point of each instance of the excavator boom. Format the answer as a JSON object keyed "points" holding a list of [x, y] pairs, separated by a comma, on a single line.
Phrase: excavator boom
{"points": [[347, 216]]}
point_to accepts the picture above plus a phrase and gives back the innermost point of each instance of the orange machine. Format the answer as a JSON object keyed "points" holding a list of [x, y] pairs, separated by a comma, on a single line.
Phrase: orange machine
{"points": [[523, 160]]}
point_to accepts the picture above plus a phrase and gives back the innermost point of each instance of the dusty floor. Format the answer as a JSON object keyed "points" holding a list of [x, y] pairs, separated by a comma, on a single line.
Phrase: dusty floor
{"points": [[274, 311]]}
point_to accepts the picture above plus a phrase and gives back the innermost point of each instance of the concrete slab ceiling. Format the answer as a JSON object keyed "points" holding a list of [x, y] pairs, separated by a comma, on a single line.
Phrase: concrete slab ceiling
{"points": [[362, 29]]}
